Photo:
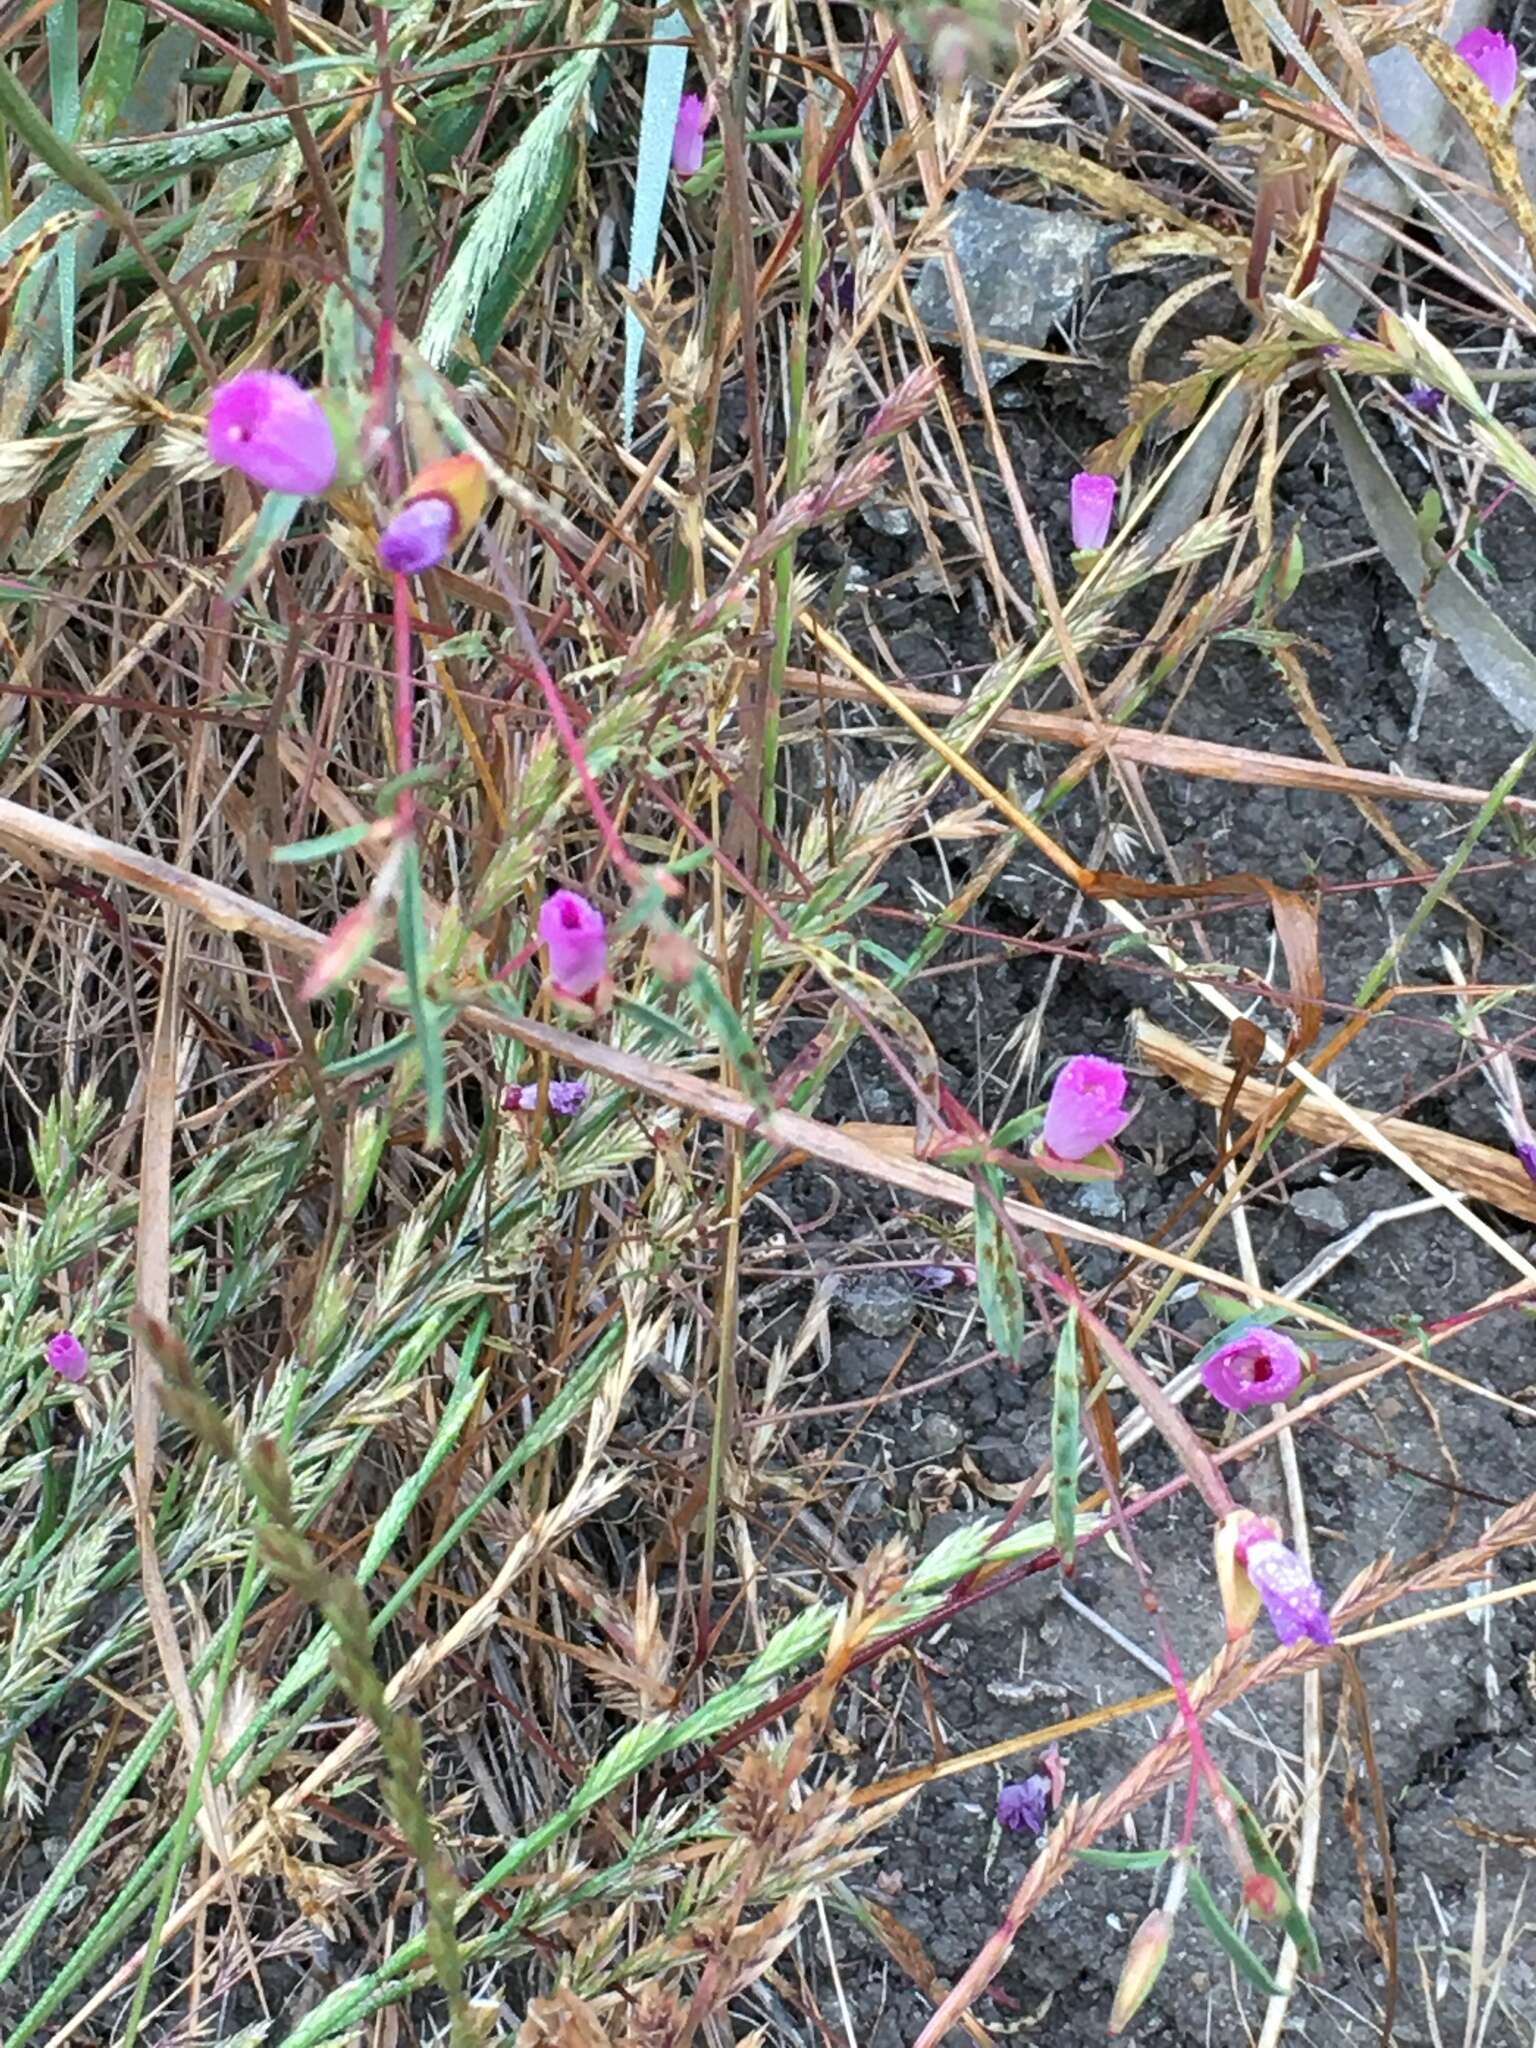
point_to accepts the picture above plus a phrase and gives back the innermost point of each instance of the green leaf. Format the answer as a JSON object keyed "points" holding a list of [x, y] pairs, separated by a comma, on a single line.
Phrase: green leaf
{"points": [[530, 244], [343, 346], [63, 24], [998, 1284], [414, 953], [1496, 656], [1226, 1935], [1124, 1859], [269, 529], [1009, 1136], [1065, 1435], [665, 64], [1291, 1917], [322, 848], [523, 176]]}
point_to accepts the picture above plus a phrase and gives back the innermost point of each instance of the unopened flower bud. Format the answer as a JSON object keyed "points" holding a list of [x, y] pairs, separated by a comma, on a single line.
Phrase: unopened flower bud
{"points": [[1143, 1966], [440, 505], [1240, 1602]]}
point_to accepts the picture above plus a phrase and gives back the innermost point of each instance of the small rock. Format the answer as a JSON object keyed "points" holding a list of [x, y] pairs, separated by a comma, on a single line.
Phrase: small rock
{"points": [[1023, 267], [1100, 1198], [888, 516], [942, 1433], [1320, 1209], [879, 1304]]}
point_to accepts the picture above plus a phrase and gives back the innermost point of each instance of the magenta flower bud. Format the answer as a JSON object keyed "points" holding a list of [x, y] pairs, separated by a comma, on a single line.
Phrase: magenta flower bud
{"points": [[418, 537], [1253, 1367], [573, 932], [274, 431], [1293, 1602], [688, 135], [1084, 1111], [68, 1356], [1025, 1807], [565, 1097], [1093, 510], [1494, 59]]}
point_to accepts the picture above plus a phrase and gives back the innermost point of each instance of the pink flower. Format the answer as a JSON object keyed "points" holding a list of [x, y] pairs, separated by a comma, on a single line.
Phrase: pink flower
{"points": [[1084, 1111], [419, 536], [1093, 509], [1294, 1602], [688, 135], [68, 1356], [565, 1097], [1494, 59], [572, 930], [1253, 1367], [274, 431]]}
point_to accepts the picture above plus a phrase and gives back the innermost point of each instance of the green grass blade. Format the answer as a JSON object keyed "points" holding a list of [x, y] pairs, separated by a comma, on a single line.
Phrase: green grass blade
{"points": [[998, 1283], [1065, 1438], [666, 63], [531, 165]]}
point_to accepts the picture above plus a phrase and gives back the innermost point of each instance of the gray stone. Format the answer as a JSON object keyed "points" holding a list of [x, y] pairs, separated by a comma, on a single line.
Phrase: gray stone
{"points": [[1320, 1209], [879, 1304], [1099, 1198], [1024, 268]]}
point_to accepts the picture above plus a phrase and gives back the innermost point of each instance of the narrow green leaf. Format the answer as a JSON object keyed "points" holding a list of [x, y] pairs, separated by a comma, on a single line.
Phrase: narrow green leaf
{"points": [[1291, 1917], [415, 951], [1124, 1859], [342, 344], [1065, 1436], [523, 176], [1496, 655], [269, 530], [998, 1285], [322, 848], [1226, 1935], [63, 24], [665, 64]]}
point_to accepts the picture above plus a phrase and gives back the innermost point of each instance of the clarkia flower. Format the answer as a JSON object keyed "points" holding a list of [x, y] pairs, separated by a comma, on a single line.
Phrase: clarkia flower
{"points": [[1085, 1111], [418, 537], [273, 431], [442, 503], [1025, 1806], [576, 940], [1253, 1367], [1093, 510], [68, 1356], [688, 135], [565, 1097], [1494, 59], [1293, 1601]]}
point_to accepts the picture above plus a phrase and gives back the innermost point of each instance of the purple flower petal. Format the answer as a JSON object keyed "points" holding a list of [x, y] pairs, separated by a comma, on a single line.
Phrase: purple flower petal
{"points": [[418, 537], [1025, 1805], [1085, 1110], [1255, 1366], [1494, 59], [68, 1356], [565, 1097], [688, 135], [575, 937], [274, 431], [1293, 1601], [1093, 509]]}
